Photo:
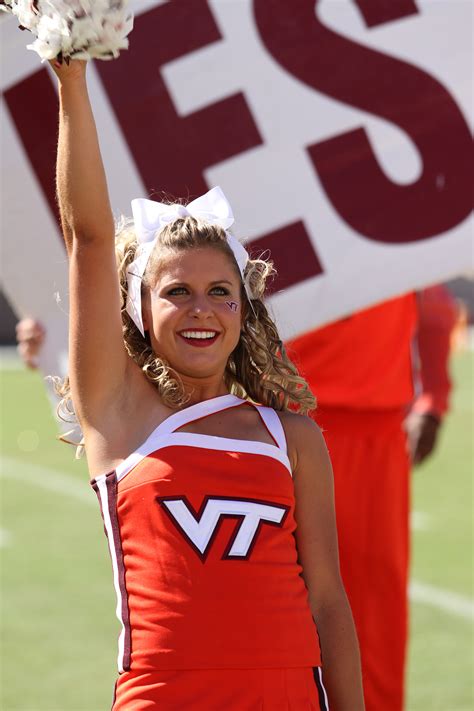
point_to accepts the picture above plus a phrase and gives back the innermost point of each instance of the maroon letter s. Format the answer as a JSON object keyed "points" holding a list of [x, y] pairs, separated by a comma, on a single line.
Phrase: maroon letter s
{"points": [[364, 197]]}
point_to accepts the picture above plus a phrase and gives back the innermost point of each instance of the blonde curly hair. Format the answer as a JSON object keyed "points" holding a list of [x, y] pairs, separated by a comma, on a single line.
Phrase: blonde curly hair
{"points": [[258, 369]]}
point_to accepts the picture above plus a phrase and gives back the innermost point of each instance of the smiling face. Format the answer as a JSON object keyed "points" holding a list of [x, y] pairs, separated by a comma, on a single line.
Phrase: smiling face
{"points": [[192, 311]]}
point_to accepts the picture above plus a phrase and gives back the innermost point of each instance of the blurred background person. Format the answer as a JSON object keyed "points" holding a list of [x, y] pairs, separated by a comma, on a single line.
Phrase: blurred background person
{"points": [[30, 334], [382, 383]]}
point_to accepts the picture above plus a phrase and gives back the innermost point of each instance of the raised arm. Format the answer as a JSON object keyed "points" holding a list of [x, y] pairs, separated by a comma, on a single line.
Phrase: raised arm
{"points": [[81, 184], [98, 360]]}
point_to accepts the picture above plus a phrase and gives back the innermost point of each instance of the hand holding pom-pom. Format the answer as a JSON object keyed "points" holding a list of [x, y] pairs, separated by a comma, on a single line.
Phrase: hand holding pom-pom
{"points": [[74, 29], [68, 72]]}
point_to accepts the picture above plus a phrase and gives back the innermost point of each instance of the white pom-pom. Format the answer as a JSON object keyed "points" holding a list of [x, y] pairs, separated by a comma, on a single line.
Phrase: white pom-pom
{"points": [[74, 29]]}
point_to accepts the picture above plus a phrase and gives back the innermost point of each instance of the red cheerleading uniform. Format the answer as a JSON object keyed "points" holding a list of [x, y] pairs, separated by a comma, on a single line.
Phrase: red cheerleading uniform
{"points": [[200, 531]]}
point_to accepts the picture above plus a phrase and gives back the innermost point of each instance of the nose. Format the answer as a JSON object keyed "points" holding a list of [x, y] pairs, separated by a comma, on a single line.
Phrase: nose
{"points": [[200, 307]]}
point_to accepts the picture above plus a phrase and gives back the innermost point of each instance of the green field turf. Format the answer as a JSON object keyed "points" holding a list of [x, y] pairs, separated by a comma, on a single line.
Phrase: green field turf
{"points": [[59, 629]]}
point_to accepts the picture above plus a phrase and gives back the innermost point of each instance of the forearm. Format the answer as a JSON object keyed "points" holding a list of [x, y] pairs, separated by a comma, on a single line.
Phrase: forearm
{"points": [[340, 655], [81, 183], [437, 316]]}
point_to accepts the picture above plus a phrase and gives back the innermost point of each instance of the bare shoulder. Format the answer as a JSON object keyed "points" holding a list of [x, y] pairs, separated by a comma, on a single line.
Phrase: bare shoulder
{"points": [[304, 438]]}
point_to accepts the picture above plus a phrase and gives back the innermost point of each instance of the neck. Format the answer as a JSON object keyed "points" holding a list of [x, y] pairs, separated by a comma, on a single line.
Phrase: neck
{"points": [[205, 389]]}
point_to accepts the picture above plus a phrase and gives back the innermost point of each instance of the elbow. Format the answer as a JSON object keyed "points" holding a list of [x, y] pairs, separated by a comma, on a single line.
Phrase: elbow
{"points": [[86, 228], [83, 235], [329, 600]]}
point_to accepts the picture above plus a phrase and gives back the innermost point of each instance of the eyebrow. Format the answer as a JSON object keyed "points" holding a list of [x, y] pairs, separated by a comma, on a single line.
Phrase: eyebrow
{"points": [[211, 283]]}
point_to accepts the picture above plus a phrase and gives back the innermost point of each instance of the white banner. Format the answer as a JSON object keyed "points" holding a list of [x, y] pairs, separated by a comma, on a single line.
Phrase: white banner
{"points": [[338, 129]]}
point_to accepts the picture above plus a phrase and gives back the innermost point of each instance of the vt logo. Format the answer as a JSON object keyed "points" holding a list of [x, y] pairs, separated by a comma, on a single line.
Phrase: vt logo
{"points": [[201, 527]]}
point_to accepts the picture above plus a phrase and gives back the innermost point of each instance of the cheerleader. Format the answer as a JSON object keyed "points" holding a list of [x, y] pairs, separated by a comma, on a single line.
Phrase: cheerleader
{"points": [[214, 486]]}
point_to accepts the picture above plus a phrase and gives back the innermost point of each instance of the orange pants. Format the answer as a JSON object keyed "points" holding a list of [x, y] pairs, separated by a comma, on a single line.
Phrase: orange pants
{"points": [[221, 690], [371, 475]]}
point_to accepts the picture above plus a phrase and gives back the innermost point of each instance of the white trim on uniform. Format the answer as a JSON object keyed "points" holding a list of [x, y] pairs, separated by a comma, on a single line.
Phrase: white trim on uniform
{"points": [[320, 674], [196, 412], [191, 439], [165, 435], [274, 426], [104, 500]]}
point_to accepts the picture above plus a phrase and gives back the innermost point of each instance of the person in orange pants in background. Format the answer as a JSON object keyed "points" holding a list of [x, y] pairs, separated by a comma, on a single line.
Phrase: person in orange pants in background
{"points": [[365, 372]]}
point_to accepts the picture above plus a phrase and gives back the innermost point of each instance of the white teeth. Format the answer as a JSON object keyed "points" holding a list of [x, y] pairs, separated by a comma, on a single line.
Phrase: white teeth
{"points": [[198, 334]]}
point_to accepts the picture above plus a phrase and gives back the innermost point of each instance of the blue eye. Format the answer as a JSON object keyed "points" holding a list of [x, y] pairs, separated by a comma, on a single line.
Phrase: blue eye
{"points": [[182, 290]]}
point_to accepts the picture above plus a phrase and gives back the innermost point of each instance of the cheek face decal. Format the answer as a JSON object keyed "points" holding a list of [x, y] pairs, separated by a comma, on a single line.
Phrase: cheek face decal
{"points": [[232, 305]]}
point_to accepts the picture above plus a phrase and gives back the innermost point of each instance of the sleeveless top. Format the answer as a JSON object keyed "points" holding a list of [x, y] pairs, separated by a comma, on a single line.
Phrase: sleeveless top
{"points": [[201, 535]]}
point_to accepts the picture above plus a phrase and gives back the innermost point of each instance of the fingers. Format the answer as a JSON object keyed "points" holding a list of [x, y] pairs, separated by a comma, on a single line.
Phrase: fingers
{"points": [[422, 433], [68, 69], [427, 440]]}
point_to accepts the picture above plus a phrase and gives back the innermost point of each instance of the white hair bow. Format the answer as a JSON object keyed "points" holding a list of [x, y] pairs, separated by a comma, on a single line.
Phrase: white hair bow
{"points": [[150, 217]]}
